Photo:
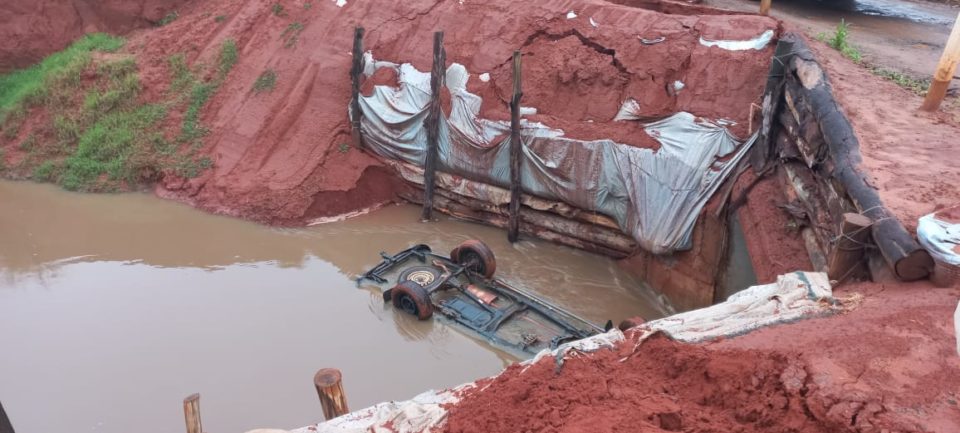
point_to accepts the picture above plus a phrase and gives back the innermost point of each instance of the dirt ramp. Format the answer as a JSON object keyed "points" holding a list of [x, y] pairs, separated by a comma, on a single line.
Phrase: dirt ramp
{"points": [[33, 29]]}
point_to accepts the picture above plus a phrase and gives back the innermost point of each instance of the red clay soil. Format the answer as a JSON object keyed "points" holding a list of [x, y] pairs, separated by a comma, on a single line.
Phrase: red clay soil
{"points": [[284, 156], [912, 157], [773, 237], [33, 29], [888, 365]]}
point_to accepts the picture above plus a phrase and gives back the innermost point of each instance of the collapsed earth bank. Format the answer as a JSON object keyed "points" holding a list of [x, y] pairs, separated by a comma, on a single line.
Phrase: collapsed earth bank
{"points": [[282, 155]]}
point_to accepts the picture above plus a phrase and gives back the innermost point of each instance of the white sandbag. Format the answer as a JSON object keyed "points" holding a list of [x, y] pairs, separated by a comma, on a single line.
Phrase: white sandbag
{"points": [[792, 297], [940, 237]]}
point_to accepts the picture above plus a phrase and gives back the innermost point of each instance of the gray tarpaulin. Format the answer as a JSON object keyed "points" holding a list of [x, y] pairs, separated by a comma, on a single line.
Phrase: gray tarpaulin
{"points": [[655, 196]]}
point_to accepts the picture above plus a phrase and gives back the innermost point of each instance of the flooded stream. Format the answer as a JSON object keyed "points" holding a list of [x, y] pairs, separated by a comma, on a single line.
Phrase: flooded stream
{"points": [[113, 308]]}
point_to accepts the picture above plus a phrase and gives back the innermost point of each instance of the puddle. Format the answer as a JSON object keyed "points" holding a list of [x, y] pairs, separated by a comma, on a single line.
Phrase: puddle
{"points": [[113, 308]]}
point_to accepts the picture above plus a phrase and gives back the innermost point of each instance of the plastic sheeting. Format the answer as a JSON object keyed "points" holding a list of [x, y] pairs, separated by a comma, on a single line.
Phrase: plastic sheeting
{"points": [[756, 43], [655, 196], [792, 297], [940, 237]]}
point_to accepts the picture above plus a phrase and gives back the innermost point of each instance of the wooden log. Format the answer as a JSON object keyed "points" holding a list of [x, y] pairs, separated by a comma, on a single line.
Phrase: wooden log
{"points": [[329, 384], [355, 70], [491, 193], [612, 239], [814, 249], [800, 181], [945, 70], [432, 124], [901, 251], [763, 150], [515, 152], [191, 413], [765, 7], [468, 213], [847, 259], [5, 425]]}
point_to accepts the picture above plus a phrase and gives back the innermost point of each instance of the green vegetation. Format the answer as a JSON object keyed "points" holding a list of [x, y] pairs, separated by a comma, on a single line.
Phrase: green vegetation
{"points": [[307, 5], [228, 57], [291, 34], [277, 9], [168, 18], [912, 84], [839, 42], [343, 147], [265, 82], [100, 135], [33, 84], [200, 92], [220, 18]]}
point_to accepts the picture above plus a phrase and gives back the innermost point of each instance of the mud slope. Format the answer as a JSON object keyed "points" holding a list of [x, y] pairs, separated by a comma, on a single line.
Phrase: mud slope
{"points": [[281, 155], [876, 368], [31, 29]]}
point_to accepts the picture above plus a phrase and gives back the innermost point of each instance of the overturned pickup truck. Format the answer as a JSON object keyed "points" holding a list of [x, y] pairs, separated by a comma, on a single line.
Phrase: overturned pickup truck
{"points": [[461, 287]]}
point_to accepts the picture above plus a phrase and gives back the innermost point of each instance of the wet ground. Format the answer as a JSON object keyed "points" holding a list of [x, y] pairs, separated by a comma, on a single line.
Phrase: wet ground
{"points": [[904, 35], [113, 308]]}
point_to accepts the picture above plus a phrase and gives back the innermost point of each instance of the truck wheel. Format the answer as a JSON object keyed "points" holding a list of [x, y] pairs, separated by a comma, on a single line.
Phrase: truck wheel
{"points": [[411, 298], [476, 256], [427, 277]]}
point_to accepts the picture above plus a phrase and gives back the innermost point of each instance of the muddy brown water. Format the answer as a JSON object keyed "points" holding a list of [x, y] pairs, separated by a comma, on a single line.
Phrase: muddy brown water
{"points": [[113, 308]]}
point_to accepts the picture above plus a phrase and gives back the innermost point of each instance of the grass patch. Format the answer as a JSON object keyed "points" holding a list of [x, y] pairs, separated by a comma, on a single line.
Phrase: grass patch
{"points": [[277, 9], [291, 34], [201, 91], [912, 84], [168, 18], [100, 136], [31, 85], [343, 147], [228, 57], [113, 146], [220, 18], [266, 81], [307, 5], [839, 41]]}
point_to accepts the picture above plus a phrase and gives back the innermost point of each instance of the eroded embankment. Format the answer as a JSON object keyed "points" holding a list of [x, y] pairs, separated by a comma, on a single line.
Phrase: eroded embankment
{"points": [[279, 149], [34, 29], [875, 368]]}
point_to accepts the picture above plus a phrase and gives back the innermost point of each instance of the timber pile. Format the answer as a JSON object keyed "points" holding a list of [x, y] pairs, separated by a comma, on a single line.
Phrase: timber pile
{"points": [[549, 220], [805, 131]]}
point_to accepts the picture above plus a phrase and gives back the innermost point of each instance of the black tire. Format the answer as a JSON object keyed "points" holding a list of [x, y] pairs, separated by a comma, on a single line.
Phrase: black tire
{"points": [[427, 277], [475, 256], [409, 297]]}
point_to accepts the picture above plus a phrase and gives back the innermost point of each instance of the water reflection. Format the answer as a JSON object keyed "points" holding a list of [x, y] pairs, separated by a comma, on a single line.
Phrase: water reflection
{"points": [[130, 303]]}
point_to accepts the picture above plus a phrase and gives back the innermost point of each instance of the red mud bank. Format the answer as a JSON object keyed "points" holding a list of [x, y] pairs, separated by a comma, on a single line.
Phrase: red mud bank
{"points": [[282, 156], [889, 364], [30, 30]]}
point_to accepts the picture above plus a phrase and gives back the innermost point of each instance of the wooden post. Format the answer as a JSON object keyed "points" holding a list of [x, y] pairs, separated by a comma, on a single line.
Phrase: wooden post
{"points": [[433, 124], [846, 259], [5, 426], [355, 70], [765, 7], [329, 384], [191, 412], [515, 152], [945, 70]]}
